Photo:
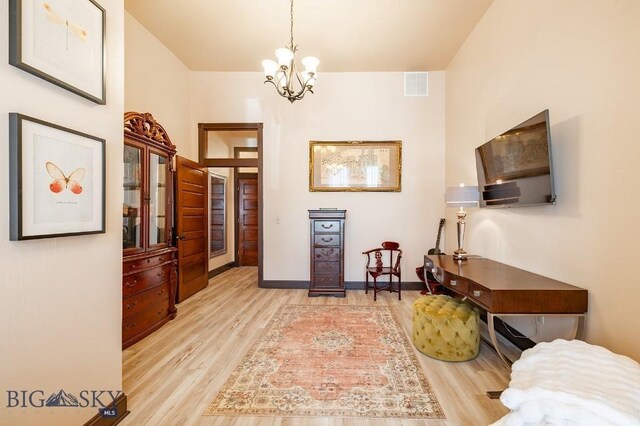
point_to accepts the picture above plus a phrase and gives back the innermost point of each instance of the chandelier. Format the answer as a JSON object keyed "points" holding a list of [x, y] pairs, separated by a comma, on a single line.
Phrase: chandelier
{"points": [[284, 75]]}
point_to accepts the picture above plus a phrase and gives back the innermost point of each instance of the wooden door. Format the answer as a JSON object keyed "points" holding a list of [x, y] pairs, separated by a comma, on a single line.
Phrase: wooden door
{"points": [[248, 221], [191, 227]]}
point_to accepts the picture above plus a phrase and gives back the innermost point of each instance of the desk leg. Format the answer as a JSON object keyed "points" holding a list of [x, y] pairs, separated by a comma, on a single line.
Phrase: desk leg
{"points": [[494, 338]]}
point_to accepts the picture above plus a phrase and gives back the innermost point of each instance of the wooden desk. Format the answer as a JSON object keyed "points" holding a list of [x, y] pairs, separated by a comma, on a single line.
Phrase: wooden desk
{"points": [[505, 291]]}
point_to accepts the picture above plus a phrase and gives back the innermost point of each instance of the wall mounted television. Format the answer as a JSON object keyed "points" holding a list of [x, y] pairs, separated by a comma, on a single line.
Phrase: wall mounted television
{"points": [[514, 168]]}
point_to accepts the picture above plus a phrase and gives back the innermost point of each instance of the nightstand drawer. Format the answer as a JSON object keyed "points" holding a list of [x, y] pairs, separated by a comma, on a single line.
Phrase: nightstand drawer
{"points": [[321, 226], [327, 240]]}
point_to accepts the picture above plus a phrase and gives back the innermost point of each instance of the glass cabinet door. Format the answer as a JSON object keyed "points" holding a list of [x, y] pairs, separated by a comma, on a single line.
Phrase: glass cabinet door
{"points": [[132, 205], [157, 198]]}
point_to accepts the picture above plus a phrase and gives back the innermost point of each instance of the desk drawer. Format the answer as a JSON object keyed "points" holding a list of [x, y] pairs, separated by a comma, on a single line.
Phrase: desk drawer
{"points": [[460, 285], [327, 240], [326, 226], [479, 293]]}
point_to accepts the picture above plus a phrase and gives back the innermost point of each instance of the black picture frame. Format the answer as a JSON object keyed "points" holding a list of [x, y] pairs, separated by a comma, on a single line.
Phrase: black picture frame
{"points": [[18, 191], [16, 57]]}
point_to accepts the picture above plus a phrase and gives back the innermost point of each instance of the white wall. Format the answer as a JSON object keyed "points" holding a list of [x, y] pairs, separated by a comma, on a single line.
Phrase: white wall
{"points": [[61, 298], [158, 82], [346, 106], [582, 62]]}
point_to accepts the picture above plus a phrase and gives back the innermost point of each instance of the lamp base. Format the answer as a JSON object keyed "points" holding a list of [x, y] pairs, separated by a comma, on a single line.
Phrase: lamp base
{"points": [[460, 254]]}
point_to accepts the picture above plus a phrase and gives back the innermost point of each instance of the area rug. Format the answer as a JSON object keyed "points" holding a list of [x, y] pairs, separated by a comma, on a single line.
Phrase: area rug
{"points": [[342, 361]]}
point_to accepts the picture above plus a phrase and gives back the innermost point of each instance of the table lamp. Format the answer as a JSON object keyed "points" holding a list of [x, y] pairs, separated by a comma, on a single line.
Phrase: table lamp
{"points": [[461, 196]]}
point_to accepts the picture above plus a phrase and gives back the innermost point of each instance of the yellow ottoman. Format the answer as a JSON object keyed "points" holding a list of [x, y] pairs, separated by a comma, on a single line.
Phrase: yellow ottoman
{"points": [[445, 328]]}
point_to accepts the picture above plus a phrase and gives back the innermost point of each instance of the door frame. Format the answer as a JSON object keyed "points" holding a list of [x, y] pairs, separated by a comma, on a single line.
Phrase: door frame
{"points": [[203, 129]]}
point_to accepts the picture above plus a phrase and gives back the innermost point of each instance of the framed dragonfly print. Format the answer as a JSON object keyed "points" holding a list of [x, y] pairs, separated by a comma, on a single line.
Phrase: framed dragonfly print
{"points": [[56, 179], [355, 166], [61, 41]]}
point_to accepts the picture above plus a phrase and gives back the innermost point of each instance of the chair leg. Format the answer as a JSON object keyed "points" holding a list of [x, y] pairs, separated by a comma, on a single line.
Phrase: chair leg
{"points": [[375, 288], [399, 287], [366, 282]]}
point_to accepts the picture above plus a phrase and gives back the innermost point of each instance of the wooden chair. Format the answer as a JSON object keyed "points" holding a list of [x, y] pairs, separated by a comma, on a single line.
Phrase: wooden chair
{"points": [[379, 269]]}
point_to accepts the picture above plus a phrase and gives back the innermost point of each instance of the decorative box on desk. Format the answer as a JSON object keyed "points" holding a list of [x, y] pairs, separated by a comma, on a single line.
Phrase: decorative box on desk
{"points": [[327, 252]]}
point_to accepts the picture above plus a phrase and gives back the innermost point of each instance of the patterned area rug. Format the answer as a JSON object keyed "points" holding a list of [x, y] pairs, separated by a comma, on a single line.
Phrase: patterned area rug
{"points": [[344, 361]]}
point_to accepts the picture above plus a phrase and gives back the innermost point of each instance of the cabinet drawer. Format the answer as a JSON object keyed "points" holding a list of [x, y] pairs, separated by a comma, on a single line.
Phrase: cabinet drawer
{"points": [[326, 226], [137, 283], [479, 293], [326, 281], [140, 264], [458, 284], [143, 320], [139, 302], [326, 254], [326, 240], [324, 268]]}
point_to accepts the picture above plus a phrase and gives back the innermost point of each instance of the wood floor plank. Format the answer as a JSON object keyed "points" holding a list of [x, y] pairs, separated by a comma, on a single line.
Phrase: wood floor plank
{"points": [[171, 376]]}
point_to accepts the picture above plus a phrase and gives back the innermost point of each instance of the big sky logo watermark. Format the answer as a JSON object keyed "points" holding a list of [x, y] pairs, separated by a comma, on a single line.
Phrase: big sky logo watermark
{"points": [[101, 399]]}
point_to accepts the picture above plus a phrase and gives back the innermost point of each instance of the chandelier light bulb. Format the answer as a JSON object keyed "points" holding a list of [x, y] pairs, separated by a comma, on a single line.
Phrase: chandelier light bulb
{"points": [[270, 68], [310, 64], [285, 56]]}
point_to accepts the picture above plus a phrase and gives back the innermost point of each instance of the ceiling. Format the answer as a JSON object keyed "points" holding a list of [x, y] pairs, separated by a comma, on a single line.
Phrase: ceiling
{"points": [[346, 35]]}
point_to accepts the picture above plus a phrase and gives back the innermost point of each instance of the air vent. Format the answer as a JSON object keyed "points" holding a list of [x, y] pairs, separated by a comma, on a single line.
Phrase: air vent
{"points": [[416, 84]]}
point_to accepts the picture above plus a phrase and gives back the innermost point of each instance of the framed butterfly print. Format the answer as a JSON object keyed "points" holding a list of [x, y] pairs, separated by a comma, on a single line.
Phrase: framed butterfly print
{"points": [[56, 179], [61, 41]]}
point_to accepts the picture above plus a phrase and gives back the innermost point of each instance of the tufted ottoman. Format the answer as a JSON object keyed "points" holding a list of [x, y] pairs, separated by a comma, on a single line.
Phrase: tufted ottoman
{"points": [[445, 328]]}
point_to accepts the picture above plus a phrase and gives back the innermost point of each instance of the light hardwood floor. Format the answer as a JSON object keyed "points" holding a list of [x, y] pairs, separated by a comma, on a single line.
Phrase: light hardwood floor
{"points": [[171, 376]]}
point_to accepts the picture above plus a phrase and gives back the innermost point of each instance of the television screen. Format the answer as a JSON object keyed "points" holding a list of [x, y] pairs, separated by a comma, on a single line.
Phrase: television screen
{"points": [[514, 168]]}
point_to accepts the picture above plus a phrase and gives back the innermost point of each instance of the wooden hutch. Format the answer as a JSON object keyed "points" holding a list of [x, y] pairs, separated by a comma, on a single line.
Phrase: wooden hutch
{"points": [[149, 258]]}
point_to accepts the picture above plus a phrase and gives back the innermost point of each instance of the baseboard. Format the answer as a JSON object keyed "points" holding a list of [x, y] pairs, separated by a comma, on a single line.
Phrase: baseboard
{"points": [[221, 269], [120, 404], [350, 285]]}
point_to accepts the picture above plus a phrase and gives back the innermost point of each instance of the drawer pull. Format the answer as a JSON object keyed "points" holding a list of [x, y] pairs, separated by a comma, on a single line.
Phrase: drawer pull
{"points": [[133, 266], [477, 293], [133, 324], [148, 260], [327, 240], [161, 259], [161, 292], [131, 283], [327, 227], [161, 274], [453, 283], [131, 305]]}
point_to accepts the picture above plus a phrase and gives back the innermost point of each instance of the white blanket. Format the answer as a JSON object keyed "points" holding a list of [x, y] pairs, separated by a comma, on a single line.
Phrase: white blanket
{"points": [[572, 383]]}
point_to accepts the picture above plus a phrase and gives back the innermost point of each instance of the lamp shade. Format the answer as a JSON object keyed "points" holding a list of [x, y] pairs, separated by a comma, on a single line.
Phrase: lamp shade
{"points": [[461, 196]]}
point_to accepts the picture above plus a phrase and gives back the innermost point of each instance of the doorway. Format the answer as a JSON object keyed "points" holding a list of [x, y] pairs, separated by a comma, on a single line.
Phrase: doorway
{"points": [[233, 154]]}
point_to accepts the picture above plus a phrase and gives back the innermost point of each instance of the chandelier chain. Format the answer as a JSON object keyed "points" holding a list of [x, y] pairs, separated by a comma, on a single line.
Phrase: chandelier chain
{"points": [[292, 26]]}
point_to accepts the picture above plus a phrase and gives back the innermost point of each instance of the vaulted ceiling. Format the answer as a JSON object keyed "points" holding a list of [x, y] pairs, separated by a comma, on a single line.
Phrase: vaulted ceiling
{"points": [[346, 35]]}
